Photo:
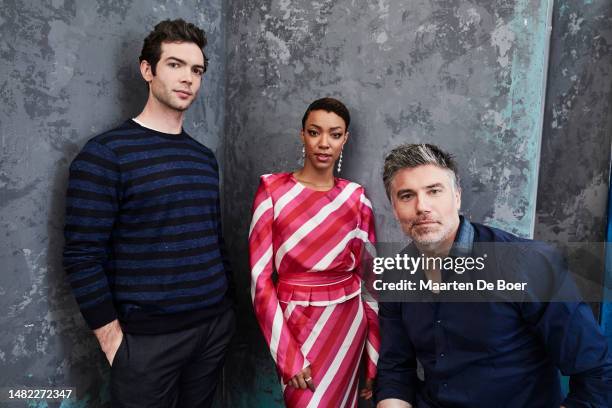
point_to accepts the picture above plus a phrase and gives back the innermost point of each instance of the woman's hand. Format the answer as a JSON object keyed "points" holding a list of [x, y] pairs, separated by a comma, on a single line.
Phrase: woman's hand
{"points": [[366, 392], [302, 380]]}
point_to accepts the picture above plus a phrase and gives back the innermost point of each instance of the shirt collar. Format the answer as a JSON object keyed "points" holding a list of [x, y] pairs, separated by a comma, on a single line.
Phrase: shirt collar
{"points": [[464, 241]]}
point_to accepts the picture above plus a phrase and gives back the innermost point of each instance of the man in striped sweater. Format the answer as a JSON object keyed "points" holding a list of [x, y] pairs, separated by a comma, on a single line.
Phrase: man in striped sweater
{"points": [[144, 249]]}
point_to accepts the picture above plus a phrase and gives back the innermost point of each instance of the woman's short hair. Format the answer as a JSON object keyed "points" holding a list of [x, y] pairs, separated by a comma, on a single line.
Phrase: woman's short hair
{"points": [[328, 105]]}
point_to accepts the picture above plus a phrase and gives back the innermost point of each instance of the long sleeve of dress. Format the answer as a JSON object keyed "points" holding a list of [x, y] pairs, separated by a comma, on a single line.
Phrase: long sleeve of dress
{"points": [[283, 347], [368, 252]]}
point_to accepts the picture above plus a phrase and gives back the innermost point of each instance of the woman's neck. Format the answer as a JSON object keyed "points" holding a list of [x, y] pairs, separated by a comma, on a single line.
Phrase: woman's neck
{"points": [[315, 178]]}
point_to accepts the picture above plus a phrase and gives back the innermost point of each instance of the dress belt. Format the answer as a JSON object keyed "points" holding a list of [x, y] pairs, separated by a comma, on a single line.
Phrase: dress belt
{"points": [[315, 278]]}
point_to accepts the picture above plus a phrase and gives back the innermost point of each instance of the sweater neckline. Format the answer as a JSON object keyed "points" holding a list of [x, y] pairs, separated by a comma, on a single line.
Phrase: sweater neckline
{"points": [[172, 136]]}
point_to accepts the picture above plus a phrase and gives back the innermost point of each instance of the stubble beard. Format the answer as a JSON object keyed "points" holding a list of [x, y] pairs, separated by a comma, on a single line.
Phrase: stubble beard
{"points": [[429, 238], [166, 99]]}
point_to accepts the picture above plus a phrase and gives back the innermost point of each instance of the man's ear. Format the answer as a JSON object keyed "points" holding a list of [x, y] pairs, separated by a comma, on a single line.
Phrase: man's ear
{"points": [[146, 71], [458, 197]]}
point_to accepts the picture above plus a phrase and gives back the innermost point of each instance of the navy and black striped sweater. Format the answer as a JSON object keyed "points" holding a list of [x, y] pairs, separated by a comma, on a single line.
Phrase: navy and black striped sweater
{"points": [[143, 231]]}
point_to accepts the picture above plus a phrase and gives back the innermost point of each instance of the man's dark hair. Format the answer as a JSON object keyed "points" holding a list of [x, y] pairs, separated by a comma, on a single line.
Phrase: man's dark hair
{"points": [[414, 155], [171, 31], [328, 105]]}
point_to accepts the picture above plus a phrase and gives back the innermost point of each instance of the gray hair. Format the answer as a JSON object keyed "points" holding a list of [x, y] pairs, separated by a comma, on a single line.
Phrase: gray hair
{"points": [[414, 155]]}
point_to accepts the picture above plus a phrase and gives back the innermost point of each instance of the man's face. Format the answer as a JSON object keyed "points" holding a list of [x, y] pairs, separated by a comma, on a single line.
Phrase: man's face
{"points": [[426, 204], [178, 75]]}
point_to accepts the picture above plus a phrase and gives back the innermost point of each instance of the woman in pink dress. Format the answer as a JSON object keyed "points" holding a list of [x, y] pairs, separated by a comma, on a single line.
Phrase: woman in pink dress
{"points": [[316, 231]]}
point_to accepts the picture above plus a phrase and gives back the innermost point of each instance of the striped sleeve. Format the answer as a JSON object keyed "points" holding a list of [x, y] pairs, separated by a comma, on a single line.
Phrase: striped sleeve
{"points": [[91, 210], [283, 347], [368, 252]]}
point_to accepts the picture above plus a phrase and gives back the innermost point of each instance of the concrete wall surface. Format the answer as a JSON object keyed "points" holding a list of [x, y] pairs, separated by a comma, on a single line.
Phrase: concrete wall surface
{"points": [[532, 139], [69, 72]]}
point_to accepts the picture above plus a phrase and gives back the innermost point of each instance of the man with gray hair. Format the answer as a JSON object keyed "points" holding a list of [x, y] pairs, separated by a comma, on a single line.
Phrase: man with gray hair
{"points": [[479, 354]]}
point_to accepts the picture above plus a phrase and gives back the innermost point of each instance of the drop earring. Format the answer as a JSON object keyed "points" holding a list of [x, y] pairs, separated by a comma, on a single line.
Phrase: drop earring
{"points": [[340, 162], [301, 162]]}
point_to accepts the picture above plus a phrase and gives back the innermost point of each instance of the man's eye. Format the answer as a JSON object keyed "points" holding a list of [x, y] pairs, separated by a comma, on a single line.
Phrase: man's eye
{"points": [[198, 71], [173, 65], [405, 196], [435, 191]]}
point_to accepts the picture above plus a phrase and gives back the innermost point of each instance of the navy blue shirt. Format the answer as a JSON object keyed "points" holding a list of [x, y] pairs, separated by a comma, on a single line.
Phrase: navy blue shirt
{"points": [[493, 354]]}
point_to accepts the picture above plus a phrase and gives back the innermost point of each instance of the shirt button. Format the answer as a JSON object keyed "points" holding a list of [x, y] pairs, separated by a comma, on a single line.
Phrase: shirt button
{"points": [[438, 321], [442, 355]]}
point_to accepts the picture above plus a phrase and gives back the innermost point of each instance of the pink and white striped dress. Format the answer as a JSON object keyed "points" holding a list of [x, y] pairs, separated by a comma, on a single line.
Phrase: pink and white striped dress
{"points": [[317, 314]]}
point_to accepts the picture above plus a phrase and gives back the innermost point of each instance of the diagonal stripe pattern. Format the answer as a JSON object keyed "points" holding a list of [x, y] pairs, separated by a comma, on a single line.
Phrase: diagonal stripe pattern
{"points": [[317, 242]]}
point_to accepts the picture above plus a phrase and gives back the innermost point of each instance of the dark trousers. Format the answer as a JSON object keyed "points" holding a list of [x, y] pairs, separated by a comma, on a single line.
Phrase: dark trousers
{"points": [[179, 369]]}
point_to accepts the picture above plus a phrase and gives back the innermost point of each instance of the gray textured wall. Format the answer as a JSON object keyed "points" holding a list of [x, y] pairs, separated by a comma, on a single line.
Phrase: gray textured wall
{"points": [[574, 168], [468, 75], [69, 71], [577, 124]]}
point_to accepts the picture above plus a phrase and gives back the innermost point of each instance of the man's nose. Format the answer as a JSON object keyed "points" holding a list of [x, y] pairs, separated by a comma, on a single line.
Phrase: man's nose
{"points": [[422, 204], [187, 76]]}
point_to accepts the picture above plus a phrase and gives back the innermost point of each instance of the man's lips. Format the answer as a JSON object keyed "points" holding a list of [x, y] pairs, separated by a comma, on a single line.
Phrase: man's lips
{"points": [[424, 222], [183, 94]]}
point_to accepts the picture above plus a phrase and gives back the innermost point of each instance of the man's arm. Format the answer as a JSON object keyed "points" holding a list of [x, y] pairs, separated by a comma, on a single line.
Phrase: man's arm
{"points": [[573, 339], [584, 356], [575, 343], [397, 378], [92, 205]]}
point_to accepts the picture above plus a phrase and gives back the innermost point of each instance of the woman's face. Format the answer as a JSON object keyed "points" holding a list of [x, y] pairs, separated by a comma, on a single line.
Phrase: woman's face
{"points": [[324, 135]]}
